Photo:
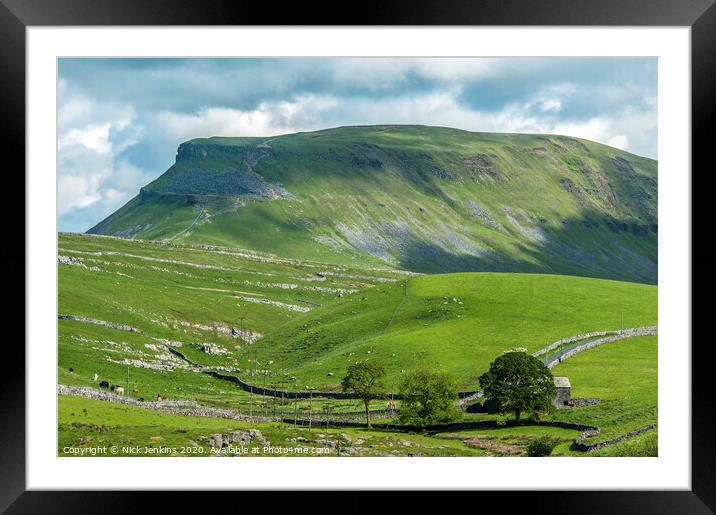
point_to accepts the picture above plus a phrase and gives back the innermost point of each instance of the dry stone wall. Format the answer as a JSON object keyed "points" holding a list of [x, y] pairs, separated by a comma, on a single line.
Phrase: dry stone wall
{"points": [[572, 339], [630, 333]]}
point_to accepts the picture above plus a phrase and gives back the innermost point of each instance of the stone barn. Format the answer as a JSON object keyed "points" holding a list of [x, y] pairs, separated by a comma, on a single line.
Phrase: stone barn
{"points": [[564, 391]]}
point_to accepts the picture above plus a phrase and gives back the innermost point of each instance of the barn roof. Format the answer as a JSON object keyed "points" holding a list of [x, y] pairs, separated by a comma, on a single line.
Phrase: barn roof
{"points": [[562, 382]]}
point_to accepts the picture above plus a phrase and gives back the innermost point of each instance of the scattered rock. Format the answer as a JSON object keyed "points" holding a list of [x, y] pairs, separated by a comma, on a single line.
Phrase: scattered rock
{"points": [[219, 440]]}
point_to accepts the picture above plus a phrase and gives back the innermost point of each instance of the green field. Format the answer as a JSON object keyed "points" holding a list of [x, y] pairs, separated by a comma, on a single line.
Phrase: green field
{"points": [[457, 322], [178, 296], [86, 424], [624, 375]]}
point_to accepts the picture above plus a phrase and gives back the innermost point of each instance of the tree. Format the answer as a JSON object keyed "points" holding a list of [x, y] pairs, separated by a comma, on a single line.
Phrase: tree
{"points": [[517, 381], [428, 397], [365, 380]]}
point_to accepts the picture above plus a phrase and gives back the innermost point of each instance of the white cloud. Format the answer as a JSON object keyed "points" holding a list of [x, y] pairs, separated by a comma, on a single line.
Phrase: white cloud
{"points": [[268, 119], [81, 172], [550, 104], [76, 191], [444, 109], [631, 130], [596, 129], [94, 137], [91, 136]]}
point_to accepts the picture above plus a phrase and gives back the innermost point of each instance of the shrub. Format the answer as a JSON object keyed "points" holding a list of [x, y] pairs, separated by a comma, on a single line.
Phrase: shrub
{"points": [[542, 446]]}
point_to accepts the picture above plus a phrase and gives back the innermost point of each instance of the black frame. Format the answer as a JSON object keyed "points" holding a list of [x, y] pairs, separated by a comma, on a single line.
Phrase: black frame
{"points": [[16, 15]]}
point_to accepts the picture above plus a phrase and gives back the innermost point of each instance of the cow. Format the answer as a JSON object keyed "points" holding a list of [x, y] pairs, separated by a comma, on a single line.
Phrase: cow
{"points": [[119, 390], [103, 384]]}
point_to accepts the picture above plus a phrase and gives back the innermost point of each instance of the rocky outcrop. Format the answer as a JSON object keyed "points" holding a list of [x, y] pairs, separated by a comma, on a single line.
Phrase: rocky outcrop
{"points": [[235, 438], [88, 320], [226, 170], [210, 348], [232, 182]]}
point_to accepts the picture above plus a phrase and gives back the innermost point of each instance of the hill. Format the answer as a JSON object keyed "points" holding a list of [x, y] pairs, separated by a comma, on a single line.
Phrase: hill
{"points": [[291, 323], [456, 322], [125, 306], [122, 306], [424, 199]]}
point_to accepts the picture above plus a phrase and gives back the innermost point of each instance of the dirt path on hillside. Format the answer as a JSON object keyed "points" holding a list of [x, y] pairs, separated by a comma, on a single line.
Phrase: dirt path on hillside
{"points": [[397, 308], [191, 226]]}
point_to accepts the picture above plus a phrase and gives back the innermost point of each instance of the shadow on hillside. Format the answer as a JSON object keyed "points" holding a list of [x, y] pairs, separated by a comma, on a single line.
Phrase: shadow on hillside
{"points": [[590, 246]]}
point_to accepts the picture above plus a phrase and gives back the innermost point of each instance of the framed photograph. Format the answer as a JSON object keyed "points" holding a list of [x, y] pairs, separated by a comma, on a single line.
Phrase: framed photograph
{"points": [[437, 248]]}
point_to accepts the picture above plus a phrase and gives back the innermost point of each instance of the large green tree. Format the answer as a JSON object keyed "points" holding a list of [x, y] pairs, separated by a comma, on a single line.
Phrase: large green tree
{"points": [[517, 381], [365, 380], [428, 397]]}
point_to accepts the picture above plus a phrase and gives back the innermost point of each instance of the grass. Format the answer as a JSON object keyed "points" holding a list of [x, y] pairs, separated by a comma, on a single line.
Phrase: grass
{"points": [[425, 199], [624, 376], [457, 322], [625, 368], [187, 296], [87, 424], [644, 445]]}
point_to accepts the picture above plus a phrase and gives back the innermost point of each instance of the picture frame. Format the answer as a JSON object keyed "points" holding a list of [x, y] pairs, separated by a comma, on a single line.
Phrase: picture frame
{"points": [[17, 15]]}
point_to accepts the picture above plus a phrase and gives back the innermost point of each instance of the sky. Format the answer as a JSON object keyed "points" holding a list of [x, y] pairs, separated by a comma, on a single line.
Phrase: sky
{"points": [[120, 121]]}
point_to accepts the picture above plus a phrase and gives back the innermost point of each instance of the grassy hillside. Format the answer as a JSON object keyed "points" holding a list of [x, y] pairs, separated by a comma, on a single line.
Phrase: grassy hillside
{"points": [[123, 304], [425, 199], [303, 323], [457, 322]]}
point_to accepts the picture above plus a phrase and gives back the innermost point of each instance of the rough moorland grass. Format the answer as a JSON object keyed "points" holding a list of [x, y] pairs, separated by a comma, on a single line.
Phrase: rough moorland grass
{"points": [[422, 198], [195, 295], [187, 295]]}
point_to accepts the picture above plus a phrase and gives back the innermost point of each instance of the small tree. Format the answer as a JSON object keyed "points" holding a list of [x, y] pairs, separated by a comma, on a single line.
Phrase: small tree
{"points": [[428, 397], [517, 381], [365, 380]]}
